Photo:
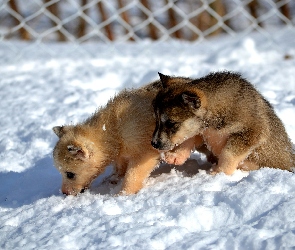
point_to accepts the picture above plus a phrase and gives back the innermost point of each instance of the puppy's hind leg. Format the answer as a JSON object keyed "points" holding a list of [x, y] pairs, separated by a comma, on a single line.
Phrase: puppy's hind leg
{"points": [[138, 170]]}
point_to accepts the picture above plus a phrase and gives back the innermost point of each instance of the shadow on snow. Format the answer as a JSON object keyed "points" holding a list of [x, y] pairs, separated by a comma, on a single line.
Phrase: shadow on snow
{"points": [[43, 181]]}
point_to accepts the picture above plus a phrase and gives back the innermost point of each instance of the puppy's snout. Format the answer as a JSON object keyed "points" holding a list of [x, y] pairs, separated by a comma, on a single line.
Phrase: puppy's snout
{"points": [[161, 145], [67, 190], [156, 143]]}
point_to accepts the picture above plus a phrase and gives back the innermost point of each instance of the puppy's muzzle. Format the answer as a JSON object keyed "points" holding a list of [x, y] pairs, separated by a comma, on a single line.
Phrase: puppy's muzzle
{"points": [[73, 192], [158, 144]]}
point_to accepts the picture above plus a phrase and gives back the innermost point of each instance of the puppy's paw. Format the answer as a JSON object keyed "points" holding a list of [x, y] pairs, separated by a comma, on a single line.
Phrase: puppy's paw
{"points": [[175, 158], [214, 170]]}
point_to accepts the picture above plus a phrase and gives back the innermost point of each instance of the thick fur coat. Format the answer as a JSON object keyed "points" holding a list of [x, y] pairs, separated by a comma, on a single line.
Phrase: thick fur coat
{"points": [[118, 134], [231, 117]]}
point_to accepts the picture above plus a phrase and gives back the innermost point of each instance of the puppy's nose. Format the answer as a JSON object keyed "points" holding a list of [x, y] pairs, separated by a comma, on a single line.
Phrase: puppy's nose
{"points": [[156, 143], [66, 192]]}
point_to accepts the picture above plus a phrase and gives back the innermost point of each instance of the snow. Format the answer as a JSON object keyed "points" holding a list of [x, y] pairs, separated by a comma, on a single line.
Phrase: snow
{"points": [[178, 208]]}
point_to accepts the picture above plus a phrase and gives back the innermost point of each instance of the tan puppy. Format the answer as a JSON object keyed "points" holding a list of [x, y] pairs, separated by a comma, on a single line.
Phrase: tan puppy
{"points": [[235, 122], [118, 133]]}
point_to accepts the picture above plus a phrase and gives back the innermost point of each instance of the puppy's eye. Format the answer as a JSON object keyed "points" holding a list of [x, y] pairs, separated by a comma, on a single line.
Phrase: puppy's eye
{"points": [[70, 175], [169, 124]]}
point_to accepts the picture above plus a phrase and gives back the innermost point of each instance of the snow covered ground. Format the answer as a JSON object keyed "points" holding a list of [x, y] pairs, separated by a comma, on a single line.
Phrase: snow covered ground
{"points": [[178, 208]]}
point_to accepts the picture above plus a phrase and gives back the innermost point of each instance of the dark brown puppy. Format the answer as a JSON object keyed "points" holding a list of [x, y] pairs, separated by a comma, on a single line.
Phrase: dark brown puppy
{"points": [[234, 120]]}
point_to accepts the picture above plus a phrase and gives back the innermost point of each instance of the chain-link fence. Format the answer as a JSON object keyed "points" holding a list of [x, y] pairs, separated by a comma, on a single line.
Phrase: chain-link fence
{"points": [[82, 21]]}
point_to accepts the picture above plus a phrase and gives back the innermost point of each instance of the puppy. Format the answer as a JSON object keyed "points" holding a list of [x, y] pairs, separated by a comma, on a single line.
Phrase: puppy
{"points": [[117, 134], [229, 115]]}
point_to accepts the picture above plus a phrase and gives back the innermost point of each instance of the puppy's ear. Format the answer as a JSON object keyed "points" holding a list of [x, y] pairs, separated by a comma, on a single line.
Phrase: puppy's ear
{"points": [[192, 100], [59, 131], [164, 79], [78, 152]]}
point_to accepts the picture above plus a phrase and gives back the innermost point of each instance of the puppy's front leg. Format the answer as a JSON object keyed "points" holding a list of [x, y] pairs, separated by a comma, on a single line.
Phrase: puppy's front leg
{"points": [[235, 151], [228, 162], [181, 153], [138, 170]]}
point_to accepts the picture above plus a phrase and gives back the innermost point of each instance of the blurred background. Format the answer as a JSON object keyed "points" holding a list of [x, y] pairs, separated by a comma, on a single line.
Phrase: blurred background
{"points": [[108, 21]]}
